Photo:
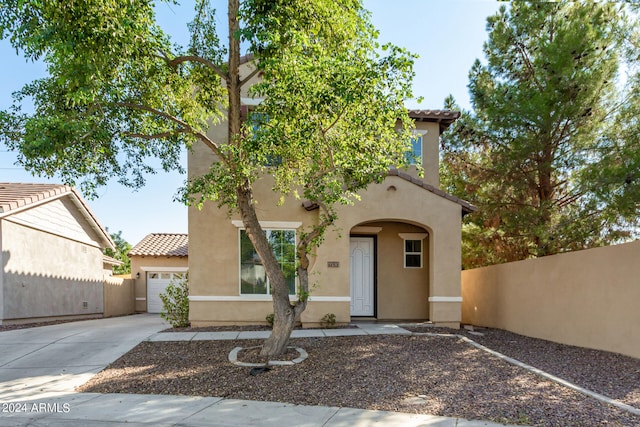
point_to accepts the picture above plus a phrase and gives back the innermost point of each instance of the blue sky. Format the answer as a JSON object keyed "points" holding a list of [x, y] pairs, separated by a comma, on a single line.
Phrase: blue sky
{"points": [[446, 34]]}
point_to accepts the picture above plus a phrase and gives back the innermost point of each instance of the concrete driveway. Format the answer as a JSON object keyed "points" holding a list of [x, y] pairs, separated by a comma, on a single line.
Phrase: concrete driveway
{"points": [[48, 361]]}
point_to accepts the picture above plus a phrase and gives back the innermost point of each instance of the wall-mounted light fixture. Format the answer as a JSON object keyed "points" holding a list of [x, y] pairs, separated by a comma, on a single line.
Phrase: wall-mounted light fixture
{"points": [[138, 275]]}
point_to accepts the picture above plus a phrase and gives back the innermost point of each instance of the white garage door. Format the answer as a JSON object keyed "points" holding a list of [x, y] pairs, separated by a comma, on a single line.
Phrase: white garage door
{"points": [[157, 282]]}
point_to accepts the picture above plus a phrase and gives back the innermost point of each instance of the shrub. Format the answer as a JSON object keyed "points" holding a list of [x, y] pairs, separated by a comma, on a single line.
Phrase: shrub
{"points": [[175, 303], [328, 320], [270, 319]]}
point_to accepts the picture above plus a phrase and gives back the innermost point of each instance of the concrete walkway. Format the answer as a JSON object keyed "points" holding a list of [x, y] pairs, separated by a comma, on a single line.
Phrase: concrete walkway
{"points": [[40, 368]]}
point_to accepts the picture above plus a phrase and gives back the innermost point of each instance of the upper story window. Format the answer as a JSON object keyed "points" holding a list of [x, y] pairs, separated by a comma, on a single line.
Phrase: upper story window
{"points": [[256, 120], [415, 156], [253, 276]]}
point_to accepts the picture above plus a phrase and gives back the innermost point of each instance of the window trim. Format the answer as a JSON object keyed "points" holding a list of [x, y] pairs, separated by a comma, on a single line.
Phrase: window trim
{"points": [[266, 226]]}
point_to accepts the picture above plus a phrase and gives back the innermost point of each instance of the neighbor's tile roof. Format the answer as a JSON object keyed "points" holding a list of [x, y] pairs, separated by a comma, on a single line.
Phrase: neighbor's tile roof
{"points": [[17, 195], [162, 244]]}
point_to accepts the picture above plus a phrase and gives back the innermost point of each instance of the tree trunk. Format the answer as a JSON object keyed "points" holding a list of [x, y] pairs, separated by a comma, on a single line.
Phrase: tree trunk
{"points": [[285, 314]]}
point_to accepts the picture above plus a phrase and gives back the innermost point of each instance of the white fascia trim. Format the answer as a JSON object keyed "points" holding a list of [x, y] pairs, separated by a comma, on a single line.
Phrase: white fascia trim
{"points": [[445, 299], [250, 298], [277, 225], [161, 269], [140, 299]]}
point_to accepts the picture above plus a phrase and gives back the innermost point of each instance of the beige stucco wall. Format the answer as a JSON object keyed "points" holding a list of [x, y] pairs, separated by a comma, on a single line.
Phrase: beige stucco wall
{"points": [[430, 152], [587, 298], [140, 265], [46, 275], [119, 296]]}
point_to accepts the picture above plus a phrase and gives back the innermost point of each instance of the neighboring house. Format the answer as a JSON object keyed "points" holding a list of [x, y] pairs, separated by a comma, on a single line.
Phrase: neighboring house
{"points": [[395, 254], [109, 263], [51, 252], [157, 260]]}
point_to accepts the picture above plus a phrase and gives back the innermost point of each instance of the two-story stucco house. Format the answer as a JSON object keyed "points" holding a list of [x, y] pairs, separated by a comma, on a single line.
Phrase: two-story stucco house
{"points": [[395, 254]]}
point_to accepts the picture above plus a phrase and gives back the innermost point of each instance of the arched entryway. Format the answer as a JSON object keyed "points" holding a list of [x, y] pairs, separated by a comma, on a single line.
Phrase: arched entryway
{"points": [[389, 270]]}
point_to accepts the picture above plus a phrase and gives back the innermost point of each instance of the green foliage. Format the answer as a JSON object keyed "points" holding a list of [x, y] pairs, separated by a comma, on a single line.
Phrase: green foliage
{"points": [[328, 320], [175, 303], [121, 253], [537, 148], [270, 318], [120, 96]]}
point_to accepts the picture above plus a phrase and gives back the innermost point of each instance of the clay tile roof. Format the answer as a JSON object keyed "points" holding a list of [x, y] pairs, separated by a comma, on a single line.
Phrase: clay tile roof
{"points": [[162, 244], [444, 117], [18, 195], [15, 197]]}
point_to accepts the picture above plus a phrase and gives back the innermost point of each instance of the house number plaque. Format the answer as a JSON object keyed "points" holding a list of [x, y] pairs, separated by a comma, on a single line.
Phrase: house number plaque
{"points": [[333, 264]]}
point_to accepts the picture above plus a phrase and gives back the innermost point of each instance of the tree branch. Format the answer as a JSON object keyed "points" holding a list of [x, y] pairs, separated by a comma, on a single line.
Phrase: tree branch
{"points": [[528, 65], [194, 58], [186, 128], [153, 136], [249, 77]]}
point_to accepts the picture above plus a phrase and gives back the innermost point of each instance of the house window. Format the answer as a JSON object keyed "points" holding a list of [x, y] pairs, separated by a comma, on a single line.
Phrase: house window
{"points": [[253, 276], [256, 121], [415, 157], [413, 249], [413, 253]]}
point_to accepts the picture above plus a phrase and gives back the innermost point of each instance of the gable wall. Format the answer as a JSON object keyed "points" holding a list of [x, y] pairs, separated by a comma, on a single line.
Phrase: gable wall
{"points": [[60, 217], [46, 275]]}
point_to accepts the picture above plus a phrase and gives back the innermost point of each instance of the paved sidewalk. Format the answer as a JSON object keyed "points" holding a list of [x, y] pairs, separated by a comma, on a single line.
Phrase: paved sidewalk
{"points": [[40, 368], [137, 410], [362, 329]]}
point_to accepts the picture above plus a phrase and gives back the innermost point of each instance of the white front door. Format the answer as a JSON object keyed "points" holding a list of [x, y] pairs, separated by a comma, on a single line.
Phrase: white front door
{"points": [[362, 258]]}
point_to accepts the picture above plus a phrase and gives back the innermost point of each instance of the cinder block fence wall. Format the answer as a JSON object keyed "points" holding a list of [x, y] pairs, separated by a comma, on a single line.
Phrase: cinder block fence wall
{"points": [[588, 298]]}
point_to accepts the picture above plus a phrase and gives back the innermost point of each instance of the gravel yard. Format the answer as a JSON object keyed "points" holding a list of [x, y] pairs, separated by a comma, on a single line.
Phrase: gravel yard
{"points": [[423, 374]]}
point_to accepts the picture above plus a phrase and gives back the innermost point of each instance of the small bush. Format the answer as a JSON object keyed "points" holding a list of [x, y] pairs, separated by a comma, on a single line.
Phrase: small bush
{"points": [[175, 303], [270, 318], [328, 320]]}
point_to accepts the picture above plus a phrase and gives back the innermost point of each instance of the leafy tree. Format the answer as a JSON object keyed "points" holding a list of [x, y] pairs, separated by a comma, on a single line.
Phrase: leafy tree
{"points": [[530, 154], [119, 93], [121, 253]]}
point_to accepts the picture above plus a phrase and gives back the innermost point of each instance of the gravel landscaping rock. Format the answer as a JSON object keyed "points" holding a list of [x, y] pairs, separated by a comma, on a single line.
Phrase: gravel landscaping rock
{"points": [[421, 374]]}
